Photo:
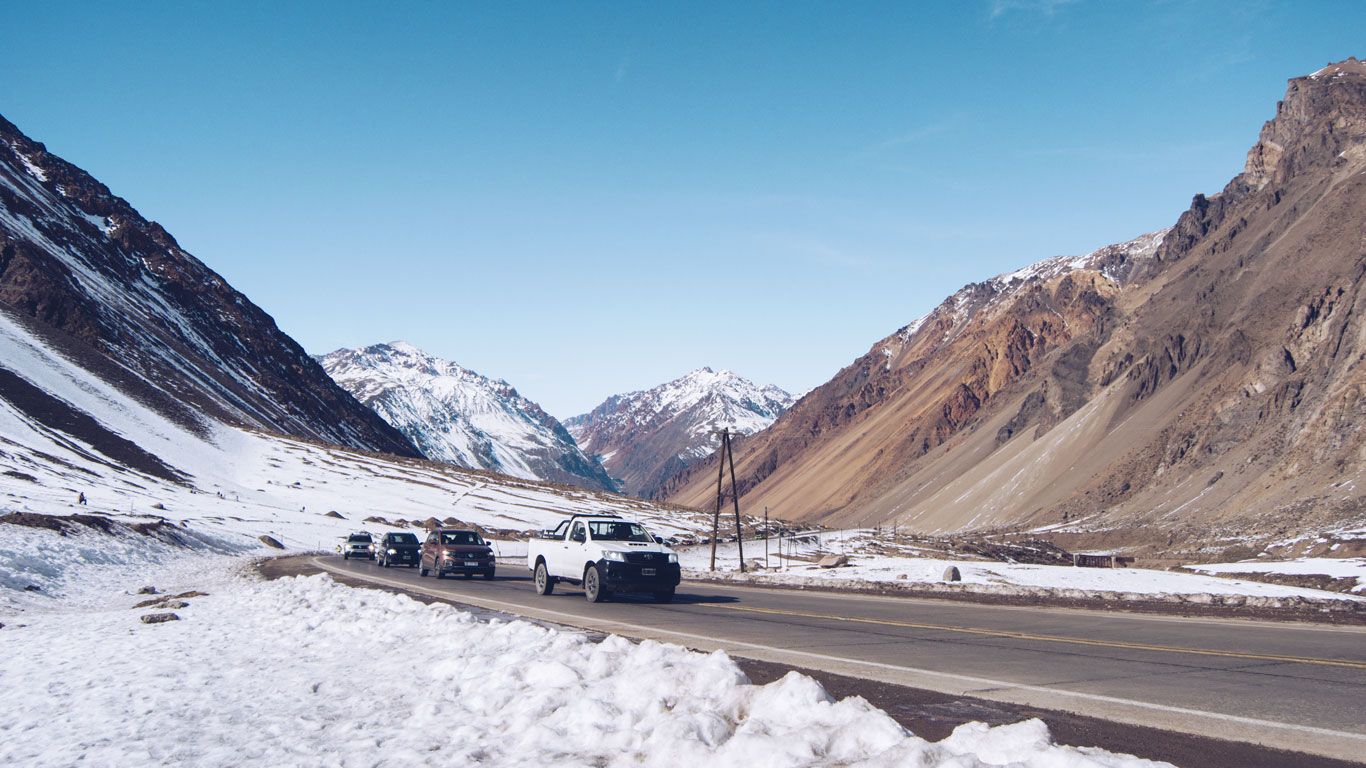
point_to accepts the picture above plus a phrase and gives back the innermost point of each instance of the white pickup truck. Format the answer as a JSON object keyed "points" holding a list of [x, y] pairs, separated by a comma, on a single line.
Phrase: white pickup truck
{"points": [[605, 554]]}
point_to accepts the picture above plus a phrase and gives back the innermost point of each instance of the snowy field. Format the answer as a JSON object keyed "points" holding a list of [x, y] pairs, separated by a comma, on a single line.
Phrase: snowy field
{"points": [[1337, 567], [304, 671], [909, 569], [239, 485]]}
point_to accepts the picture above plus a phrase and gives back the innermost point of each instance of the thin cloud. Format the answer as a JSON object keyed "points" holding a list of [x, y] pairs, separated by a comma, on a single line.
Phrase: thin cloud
{"points": [[910, 137], [1000, 8]]}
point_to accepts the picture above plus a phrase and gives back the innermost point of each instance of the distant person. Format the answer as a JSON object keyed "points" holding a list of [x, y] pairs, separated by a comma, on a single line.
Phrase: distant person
{"points": [[80, 499]]}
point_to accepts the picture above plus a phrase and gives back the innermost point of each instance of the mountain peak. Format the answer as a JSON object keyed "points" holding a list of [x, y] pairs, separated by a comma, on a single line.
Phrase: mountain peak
{"points": [[1348, 67], [645, 437], [1320, 123], [461, 417]]}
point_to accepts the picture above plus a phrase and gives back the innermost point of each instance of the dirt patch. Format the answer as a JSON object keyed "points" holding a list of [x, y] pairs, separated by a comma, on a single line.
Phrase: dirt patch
{"points": [[161, 530], [1344, 584]]}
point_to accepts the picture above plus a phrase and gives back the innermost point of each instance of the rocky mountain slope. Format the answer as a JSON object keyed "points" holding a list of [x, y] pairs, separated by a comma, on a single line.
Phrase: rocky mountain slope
{"points": [[645, 437], [457, 416], [1204, 388], [82, 265]]}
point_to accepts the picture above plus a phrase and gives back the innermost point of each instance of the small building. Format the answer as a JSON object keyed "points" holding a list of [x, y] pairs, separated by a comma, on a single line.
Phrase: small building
{"points": [[1100, 560]]}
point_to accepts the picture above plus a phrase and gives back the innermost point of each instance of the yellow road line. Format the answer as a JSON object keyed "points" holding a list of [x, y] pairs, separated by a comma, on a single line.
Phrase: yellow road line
{"points": [[1052, 638]]}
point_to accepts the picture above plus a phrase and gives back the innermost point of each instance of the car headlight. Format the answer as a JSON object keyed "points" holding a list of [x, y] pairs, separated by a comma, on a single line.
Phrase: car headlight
{"points": [[673, 558], [392, 551], [615, 556]]}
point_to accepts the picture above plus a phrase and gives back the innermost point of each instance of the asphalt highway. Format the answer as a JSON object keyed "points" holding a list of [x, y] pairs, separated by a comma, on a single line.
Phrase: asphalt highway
{"points": [[1298, 687]]}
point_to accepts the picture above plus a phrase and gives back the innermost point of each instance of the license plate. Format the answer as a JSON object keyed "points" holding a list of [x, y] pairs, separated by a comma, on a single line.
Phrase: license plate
{"points": [[647, 571], [471, 563]]}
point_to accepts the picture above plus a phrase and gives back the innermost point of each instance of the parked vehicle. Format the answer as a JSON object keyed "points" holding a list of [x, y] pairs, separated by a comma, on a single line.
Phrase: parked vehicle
{"points": [[359, 544], [606, 554], [456, 551], [398, 549]]}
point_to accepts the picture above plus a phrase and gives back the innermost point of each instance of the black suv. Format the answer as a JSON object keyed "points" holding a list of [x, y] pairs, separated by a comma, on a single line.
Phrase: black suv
{"points": [[398, 549]]}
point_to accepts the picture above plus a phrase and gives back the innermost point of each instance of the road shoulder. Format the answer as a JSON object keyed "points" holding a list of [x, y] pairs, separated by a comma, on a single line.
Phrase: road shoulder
{"points": [[931, 714]]}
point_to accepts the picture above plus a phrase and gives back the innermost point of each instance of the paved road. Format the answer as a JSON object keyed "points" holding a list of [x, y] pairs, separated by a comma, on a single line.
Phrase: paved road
{"points": [[1289, 686]]}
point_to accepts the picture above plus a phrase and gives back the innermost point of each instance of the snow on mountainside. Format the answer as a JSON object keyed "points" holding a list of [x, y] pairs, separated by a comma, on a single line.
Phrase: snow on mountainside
{"points": [[210, 487], [457, 416], [1117, 263], [86, 267], [645, 437]]}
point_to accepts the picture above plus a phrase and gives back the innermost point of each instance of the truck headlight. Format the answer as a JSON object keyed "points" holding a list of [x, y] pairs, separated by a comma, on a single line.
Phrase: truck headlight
{"points": [[614, 556], [392, 551], [673, 558]]}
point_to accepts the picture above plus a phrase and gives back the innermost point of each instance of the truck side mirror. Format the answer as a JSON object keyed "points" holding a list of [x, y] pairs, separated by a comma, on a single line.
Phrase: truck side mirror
{"points": [[578, 536], [659, 539]]}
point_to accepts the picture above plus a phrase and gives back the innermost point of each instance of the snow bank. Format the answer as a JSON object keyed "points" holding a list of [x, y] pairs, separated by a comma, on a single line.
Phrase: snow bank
{"points": [[1336, 567], [305, 671], [39, 567]]}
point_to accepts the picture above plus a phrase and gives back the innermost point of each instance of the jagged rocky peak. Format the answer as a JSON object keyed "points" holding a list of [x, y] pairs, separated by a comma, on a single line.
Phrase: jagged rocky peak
{"points": [[1321, 121], [461, 417], [647, 436]]}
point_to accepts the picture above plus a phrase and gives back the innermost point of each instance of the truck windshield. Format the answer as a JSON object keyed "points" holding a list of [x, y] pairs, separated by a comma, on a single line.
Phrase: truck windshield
{"points": [[610, 531], [359, 539], [403, 538], [461, 537]]}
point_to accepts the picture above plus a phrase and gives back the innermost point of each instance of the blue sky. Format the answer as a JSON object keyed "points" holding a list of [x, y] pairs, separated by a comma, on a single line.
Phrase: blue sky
{"points": [[588, 198]]}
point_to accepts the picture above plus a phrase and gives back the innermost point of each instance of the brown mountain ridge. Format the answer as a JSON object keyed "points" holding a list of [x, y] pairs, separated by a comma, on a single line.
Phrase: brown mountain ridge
{"points": [[1198, 384]]}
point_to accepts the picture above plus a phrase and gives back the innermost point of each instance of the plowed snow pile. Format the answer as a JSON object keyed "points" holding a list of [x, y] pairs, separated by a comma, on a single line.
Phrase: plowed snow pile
{"points": [[304, 671]]}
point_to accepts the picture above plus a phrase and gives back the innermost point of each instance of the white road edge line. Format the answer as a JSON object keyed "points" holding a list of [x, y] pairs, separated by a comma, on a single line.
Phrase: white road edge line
{"points": [[977, 681], [1117, 614]]}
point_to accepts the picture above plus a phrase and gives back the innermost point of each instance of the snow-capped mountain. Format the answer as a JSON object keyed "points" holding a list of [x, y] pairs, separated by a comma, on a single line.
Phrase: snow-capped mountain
{"points": [[645, 437], [457, 416], [81, 264]]}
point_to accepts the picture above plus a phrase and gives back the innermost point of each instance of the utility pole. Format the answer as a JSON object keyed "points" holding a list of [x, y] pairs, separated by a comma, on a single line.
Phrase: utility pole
{"points": [[726, 454], [765, 538]]}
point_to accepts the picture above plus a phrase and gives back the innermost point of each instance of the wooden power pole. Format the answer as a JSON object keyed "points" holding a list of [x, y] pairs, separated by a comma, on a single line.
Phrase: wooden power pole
{"points": [[725, 456]]}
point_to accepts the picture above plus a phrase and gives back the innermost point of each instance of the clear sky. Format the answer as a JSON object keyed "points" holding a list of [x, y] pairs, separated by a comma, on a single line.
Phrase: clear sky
{"points": [[588, 198]]}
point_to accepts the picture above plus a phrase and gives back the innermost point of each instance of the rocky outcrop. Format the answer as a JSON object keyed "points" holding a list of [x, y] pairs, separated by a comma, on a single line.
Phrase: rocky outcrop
{"points": [[82, 265]]}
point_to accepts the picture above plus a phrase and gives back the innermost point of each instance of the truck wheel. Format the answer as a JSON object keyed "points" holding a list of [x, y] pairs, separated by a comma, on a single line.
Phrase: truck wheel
{"points": [[346, 555], [544, 584], [488, 574], [421, 569], [665, 596], [593, 588], [440, 574]]}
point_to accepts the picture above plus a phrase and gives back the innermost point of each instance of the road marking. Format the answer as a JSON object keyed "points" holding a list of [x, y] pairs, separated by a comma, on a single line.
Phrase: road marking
{"points": [[1116, 613], [1349, 664], [1256, 730]]}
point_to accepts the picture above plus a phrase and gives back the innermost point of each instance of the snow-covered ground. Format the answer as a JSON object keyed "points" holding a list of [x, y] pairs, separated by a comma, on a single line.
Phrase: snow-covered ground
{"points": [[304, 671], [1337, 567], [909, 569], [239, 485]]}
